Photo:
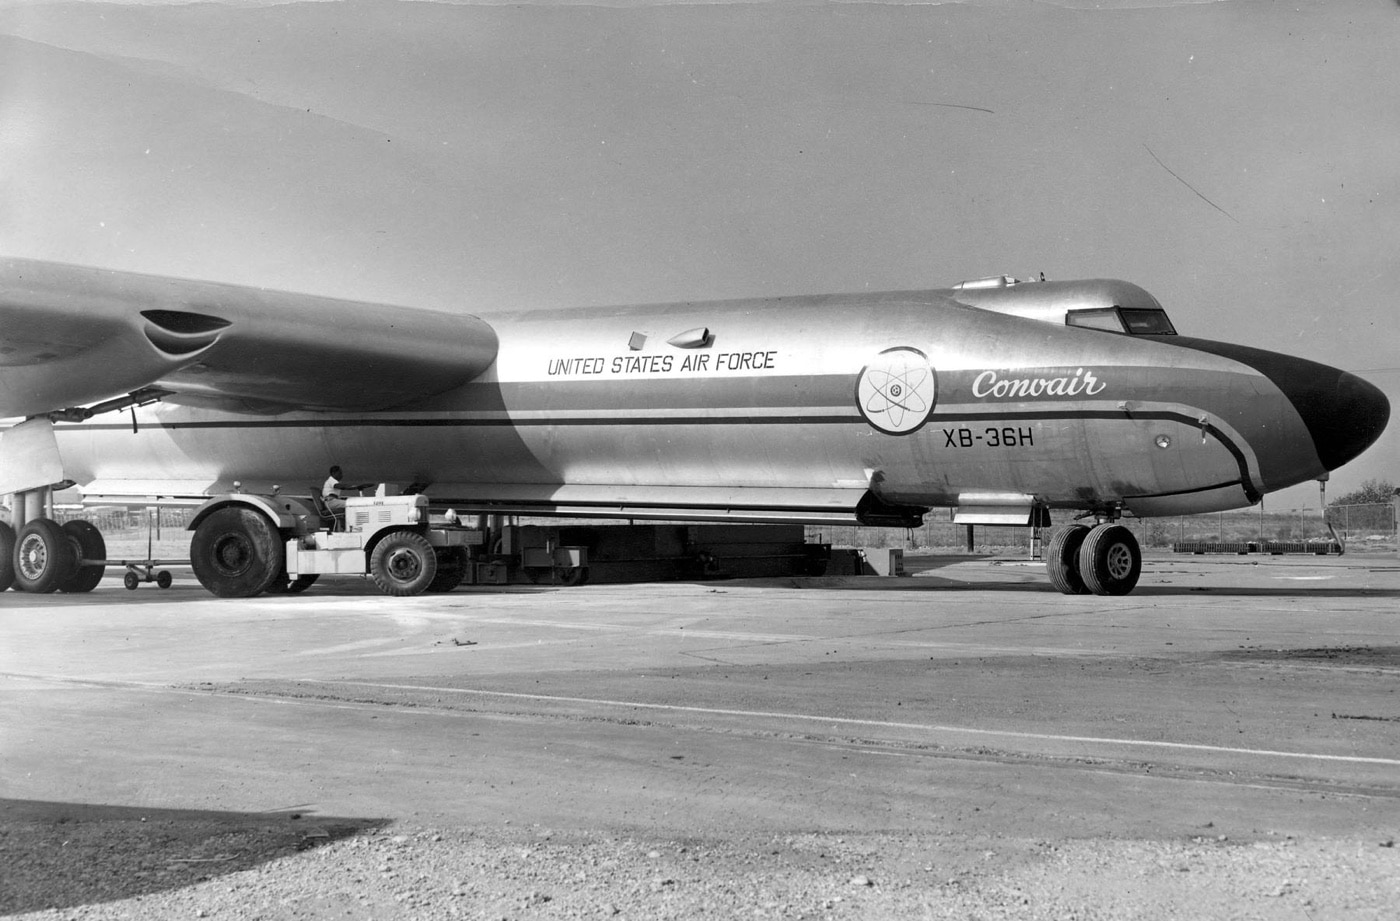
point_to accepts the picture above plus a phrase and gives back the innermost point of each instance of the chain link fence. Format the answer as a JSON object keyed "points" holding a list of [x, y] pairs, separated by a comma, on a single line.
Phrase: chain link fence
{"points": [[1366, 526], [1361, 527], [136, 532]]}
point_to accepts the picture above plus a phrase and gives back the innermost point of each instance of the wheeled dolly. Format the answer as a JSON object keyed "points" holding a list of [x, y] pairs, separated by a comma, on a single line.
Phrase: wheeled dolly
{"points": [[138, 571]]}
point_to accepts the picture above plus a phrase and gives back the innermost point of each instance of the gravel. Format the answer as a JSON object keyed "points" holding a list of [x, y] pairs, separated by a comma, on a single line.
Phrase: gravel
{"points": [[284, 866]]}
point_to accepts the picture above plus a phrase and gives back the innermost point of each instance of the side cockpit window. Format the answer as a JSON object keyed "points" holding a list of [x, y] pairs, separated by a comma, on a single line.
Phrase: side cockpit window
{"points": [[1134, 321], [1105, 318]]}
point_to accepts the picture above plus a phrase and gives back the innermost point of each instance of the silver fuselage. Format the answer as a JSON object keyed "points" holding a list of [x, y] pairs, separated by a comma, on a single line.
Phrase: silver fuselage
{"points": [[788, 407]]}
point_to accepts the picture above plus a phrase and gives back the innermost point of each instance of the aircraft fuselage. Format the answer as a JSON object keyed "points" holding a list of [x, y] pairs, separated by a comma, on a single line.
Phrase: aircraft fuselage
{"points": [[789, 405]]}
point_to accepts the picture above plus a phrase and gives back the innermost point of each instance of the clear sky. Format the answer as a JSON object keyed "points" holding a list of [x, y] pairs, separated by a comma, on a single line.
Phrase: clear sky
{"points": [[1236, 158]]}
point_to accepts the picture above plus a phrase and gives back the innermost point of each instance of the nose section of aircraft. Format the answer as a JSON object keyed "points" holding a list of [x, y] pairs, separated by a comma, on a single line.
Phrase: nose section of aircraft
{"points": [[1344, 414]]}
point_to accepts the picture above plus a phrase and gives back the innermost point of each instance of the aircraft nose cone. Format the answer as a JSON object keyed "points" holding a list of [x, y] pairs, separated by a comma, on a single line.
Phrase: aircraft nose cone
{"points": [[1344, 414]]}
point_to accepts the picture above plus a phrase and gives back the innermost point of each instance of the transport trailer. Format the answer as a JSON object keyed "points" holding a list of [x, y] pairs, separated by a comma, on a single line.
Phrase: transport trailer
{"points": [[569, 553]]}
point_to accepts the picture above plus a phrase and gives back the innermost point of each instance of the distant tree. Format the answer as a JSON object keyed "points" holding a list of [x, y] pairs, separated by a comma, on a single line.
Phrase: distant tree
{"points": [[1371, 492]]}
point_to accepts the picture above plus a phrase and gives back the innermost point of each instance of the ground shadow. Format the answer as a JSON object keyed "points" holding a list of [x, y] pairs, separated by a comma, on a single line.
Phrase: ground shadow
{"points": [[924, 582], [920, 583], [1247, 591], [110, 591], [62, 855], [1351, 656]]}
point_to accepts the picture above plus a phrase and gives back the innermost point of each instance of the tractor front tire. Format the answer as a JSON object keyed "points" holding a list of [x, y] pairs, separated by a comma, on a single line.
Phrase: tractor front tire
{"points": [[403, 563]]}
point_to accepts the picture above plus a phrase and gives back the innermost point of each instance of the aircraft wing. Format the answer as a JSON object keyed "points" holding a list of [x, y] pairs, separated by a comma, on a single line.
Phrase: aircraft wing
{"points": [[71, 336]]}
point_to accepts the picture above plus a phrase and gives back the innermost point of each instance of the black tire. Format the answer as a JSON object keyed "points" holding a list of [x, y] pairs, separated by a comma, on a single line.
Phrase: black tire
{"points": [[7, 556], [1062, 560], [286, 585], [570, 575], [452, 564], [131, 580], [237, 552], [1110, 561], [403, 563], [164, 579], [43, 557], [87, 544]]}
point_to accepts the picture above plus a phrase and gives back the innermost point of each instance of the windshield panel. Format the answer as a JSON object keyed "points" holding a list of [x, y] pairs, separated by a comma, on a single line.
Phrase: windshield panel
{"points": [[1135, 321], [1143, 322]]}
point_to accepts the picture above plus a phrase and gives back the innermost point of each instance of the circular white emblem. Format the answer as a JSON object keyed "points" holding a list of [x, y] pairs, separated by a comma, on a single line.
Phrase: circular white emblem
{"points": [[896, 392]]}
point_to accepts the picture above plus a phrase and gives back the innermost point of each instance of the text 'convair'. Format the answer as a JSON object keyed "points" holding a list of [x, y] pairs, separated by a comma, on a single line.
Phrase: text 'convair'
{"points": [[990, 384]]}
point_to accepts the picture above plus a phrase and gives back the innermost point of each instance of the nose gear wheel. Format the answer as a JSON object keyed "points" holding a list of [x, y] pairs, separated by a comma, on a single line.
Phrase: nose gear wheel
{"points": [[1110, 560]]}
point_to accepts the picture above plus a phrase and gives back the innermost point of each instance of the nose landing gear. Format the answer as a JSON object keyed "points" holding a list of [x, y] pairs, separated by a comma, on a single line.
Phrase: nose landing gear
{"points": [[1103, 560]]}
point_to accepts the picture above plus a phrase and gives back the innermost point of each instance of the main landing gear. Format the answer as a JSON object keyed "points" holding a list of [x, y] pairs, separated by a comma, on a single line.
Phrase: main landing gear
{"points": [[1103, 560], [44, 556]]}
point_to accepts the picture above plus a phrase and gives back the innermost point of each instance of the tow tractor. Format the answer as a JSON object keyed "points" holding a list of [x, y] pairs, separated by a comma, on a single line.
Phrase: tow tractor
{"points": [[245, 544]]}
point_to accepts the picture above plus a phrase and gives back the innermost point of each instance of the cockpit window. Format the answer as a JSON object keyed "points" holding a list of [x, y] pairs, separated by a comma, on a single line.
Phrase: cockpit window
{"points": [[1148, 322], [1135, 321], [1105, 318]]}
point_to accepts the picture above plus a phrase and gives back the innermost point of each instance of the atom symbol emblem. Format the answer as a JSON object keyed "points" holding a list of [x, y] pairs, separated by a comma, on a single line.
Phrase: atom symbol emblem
{"points": [[895, 393]]}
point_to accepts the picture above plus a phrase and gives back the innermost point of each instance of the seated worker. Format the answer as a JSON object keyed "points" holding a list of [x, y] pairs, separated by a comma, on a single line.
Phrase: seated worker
{"points": [[331, 492]]}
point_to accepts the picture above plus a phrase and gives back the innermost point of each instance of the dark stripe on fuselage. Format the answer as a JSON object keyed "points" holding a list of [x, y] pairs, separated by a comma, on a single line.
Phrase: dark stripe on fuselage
{"points": [[796, 391], [564, 422], [1199, 489], [492, 422]]}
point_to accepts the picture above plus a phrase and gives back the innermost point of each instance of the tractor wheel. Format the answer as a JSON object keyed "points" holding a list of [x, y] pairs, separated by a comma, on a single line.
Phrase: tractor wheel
{"points": [[452, 566], [403, 563], [570, 575], [237, 553]]}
